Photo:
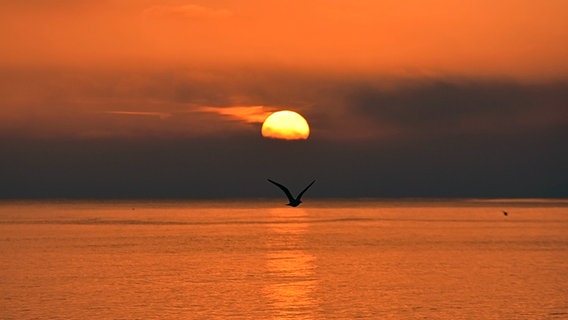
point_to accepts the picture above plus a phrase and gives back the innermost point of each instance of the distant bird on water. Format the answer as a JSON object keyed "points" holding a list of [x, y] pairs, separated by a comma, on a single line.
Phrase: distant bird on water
{"points": [[505, 213], [294, 202]]}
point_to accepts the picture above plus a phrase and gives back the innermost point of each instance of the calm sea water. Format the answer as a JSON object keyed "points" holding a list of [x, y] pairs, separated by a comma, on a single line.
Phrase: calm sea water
{"points": [[262, 260]]}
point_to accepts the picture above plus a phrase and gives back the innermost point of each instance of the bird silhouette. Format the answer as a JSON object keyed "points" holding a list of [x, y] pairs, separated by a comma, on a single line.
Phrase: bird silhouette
{"points": [[505, 213], [294, 202]]}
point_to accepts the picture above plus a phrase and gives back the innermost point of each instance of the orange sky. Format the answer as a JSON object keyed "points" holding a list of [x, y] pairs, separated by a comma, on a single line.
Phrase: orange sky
{"points": [[510, 38], [166, 97], [131, 68]]}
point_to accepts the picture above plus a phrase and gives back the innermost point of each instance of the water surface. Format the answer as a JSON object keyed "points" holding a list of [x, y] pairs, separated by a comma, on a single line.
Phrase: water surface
{"points": [[371, 259]]}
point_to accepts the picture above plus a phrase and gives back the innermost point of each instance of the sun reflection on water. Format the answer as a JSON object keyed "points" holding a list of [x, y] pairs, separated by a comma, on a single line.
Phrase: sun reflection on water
{"points": [[291, 269]]}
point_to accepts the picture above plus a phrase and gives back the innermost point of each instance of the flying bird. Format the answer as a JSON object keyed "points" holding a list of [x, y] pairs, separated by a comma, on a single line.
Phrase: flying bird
{"points": [[294, 202], [505, 213]]}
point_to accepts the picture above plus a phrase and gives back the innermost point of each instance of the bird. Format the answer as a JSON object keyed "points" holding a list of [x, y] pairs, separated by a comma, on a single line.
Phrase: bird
{"points": [[505, 213], [294, 202]]}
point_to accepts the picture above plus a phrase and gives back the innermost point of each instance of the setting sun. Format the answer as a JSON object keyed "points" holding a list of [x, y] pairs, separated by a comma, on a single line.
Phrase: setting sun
{"points": [[287, 125]]}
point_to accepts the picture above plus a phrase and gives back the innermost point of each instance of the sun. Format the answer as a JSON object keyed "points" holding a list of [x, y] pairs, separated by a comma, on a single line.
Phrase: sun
{"points": [[286, 125]]}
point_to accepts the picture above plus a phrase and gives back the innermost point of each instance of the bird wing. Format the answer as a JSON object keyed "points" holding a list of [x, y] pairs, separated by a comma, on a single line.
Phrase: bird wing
{"points": [[302, 193], [283, 188]]}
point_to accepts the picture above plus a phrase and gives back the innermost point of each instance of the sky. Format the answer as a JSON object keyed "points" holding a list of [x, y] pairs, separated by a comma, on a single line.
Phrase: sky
{"points": [[165, 99]]}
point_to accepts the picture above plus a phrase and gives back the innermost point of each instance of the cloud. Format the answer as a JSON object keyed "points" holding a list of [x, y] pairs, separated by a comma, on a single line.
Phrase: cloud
{"points": [[161, 115], [188, 11], [445, 107], [179, 132], [249, 114], [193, 102]]}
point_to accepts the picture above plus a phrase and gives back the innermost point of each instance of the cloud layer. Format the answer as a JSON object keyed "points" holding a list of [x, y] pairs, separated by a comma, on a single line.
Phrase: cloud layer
{"points": [[145, 134], [191, 102]]}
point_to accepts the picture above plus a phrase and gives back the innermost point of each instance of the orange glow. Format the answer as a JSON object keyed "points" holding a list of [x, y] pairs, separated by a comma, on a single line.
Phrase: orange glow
{"points": [[286, 125]]}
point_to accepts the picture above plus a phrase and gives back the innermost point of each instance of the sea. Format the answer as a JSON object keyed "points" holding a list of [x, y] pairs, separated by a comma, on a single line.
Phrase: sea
{"points": [[259, 259]]}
